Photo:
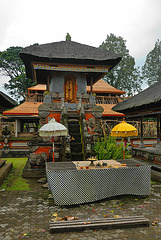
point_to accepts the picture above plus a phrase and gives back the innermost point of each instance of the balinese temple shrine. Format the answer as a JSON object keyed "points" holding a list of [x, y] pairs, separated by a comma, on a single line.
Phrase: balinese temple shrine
{"points": [[68, 87]]}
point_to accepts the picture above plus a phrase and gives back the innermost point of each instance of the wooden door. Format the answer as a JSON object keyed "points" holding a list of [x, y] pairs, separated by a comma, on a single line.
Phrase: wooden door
{"points": [[70, 89]]}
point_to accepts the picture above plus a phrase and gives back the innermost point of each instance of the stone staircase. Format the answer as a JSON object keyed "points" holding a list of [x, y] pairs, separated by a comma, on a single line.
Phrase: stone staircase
{"points": [[76, 145], [5, 168]]}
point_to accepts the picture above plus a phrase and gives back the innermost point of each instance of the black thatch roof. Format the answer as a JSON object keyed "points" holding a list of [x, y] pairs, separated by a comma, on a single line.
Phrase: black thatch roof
{"points": [[147, 98], [6, 102], [67, 52]]}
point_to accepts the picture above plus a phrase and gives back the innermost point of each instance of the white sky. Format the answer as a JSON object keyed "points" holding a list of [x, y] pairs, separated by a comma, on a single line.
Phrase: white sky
{"points": [[25, 22]]}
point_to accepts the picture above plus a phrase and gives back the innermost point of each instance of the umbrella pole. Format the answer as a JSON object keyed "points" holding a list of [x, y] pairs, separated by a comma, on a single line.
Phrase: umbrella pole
{"points": [[123, 148], [53, 147]]}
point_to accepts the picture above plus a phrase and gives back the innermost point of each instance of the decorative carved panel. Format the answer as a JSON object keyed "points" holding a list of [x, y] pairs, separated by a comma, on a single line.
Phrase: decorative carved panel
{"points": [[70, 89]]}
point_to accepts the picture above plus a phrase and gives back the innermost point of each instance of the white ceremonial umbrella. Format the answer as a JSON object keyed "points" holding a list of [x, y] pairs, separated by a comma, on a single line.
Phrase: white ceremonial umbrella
{"points": [[53, 129]]}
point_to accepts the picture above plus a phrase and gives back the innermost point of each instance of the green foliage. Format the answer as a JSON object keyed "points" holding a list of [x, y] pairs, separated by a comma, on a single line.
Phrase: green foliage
{"points": [[152, 68], [106, 148], [14, 180], [12, 66], [47, 93], [124, 76]]}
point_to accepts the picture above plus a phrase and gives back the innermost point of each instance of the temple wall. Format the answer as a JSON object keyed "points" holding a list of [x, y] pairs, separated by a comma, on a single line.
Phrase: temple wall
{"points": [[57, 82], [81, 84]]}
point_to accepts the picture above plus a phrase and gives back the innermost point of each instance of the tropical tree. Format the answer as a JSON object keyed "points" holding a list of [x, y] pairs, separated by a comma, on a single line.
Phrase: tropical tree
{"points": [[151, 70], [12, 66], [124, 76]]}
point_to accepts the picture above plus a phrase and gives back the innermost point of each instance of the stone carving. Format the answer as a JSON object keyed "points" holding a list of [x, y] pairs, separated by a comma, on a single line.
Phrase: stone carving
{"points": [[92, 99], [85, 95], [97, 127], [47, 98], [79, 104], [6, 132], [91, 122], [63, 112], [97, 111], [86, 136], [62, 102], [79, 95], [44, 156], [35, 140], [88, 145], [67, 146], [43, 114], [82, 110], [54, 95], [56, 106], [61, 95], [38, 159], [45, 107]]}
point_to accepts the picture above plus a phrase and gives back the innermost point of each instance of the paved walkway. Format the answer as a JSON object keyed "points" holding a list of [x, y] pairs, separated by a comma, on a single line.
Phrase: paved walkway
{"points": [[26, 215]]}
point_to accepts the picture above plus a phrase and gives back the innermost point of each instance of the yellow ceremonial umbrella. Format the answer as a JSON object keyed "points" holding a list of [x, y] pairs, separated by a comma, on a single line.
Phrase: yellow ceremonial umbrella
{"points": [[124, 130]]}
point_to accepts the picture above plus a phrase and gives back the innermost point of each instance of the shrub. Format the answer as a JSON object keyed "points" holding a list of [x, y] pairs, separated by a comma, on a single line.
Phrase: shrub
{"points": [[106, 148]]}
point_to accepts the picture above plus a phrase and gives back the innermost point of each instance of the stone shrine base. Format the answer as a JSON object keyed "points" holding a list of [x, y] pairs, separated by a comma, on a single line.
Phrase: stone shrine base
{"points": [[33, 172], [152, 154]]}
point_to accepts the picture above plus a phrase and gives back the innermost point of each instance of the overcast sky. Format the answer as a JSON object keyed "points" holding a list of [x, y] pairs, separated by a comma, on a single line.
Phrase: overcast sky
{"points": [[25, 22]]}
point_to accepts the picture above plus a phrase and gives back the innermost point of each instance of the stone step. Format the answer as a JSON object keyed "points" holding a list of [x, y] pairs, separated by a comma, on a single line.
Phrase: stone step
{"points": [[76, 156], [2, 162], [108, 223], [77, 137], [76, 147], [74, 128], [73, 121], [4, 171], [73, 116]]}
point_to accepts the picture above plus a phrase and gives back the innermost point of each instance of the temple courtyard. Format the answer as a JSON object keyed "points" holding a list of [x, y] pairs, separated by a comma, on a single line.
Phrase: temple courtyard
{"points": [[25, 214]]}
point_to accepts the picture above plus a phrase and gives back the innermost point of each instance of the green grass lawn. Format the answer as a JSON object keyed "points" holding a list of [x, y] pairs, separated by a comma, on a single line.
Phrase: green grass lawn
{"points": [[14, 180]]}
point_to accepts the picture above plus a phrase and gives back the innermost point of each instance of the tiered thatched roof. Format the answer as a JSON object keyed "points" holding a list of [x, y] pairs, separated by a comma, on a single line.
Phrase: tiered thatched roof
{"points": [[67, 52]]}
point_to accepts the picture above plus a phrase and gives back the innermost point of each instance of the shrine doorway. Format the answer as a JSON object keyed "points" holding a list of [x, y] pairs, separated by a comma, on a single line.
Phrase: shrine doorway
{"points": [[70, 89]]}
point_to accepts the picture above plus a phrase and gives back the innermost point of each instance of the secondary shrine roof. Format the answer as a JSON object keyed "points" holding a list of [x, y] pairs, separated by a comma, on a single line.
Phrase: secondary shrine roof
{"points": [[31, 108], [38, 87], [26, 108], [102, 87], [109, 112], [99, 87]]}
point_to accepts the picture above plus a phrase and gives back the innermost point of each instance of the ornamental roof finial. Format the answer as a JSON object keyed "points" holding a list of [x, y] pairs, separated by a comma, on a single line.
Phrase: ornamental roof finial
{"points": [[68, 37]]}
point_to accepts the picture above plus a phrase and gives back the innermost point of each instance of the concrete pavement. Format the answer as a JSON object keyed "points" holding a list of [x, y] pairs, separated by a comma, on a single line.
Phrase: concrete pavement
{"points": [[26, 215]]}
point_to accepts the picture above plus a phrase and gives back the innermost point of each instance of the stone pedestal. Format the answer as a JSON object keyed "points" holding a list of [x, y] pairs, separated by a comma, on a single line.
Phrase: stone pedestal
{"points": [[142, 144], [158, 145]]}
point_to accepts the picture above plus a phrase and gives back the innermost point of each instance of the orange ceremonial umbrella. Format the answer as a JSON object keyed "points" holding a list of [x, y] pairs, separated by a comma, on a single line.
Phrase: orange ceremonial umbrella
{"points": [[124, 130]]}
